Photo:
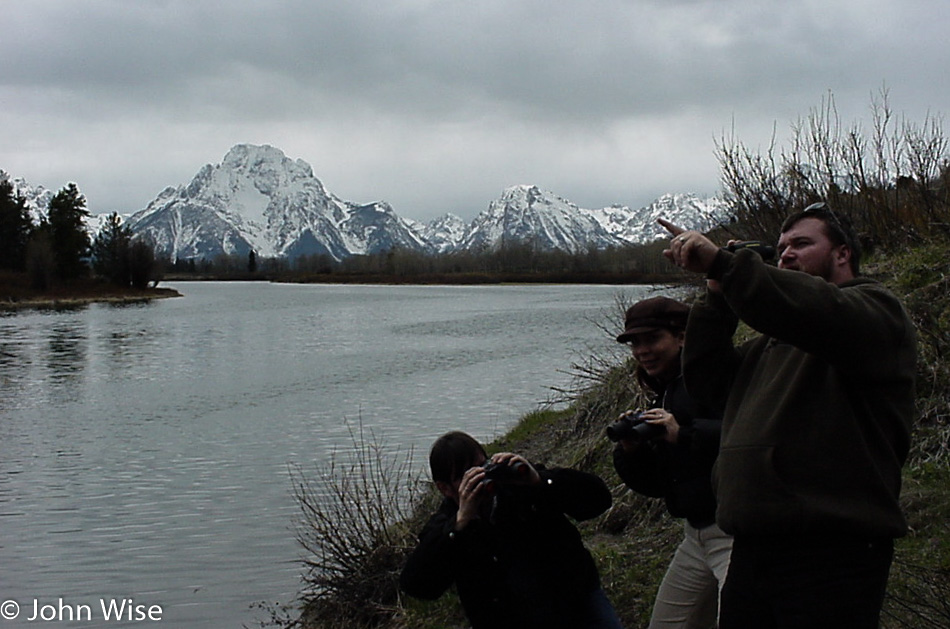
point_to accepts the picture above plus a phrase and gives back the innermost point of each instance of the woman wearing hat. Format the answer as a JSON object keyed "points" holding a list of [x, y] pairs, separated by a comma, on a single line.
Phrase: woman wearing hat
{"points": [[674, 462]]}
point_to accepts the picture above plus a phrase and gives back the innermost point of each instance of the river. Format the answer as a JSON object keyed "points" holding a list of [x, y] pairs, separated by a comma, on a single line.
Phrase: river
{"points": [[144, 449]]}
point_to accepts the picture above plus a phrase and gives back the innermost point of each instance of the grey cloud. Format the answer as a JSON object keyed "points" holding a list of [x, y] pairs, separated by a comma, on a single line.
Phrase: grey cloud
{"points": [[435, 101]]}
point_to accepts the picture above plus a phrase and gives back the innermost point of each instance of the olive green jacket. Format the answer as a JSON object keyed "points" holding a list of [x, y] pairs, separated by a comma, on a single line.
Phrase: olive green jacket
{"points": [[817, 410]]}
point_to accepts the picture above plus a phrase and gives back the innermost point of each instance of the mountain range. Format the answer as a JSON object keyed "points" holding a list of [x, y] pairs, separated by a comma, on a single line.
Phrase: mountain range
{"points": [[258, 199]]}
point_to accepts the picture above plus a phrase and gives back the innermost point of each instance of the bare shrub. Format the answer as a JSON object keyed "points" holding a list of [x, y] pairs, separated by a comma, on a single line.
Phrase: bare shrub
{"points": [[356, 526], [888, 180], [917, 597]]}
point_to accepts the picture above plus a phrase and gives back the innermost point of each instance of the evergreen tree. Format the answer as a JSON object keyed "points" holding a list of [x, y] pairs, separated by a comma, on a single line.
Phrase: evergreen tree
{"points": [[110, 251], [16, 226], [40, 260], [142, 266], [69, 240]]}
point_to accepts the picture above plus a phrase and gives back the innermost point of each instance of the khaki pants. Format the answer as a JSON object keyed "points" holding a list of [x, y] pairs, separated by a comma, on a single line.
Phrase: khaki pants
{"points": [[688, 597]]}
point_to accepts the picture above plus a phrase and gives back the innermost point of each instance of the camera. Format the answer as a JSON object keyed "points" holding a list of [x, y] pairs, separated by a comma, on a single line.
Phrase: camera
{"points": [[634, 427], [501, 473], [766, 251]]}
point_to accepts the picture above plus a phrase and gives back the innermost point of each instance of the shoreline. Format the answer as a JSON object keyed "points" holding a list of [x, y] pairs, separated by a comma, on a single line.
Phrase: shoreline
{"points": [[443, 279], [65, 302]]}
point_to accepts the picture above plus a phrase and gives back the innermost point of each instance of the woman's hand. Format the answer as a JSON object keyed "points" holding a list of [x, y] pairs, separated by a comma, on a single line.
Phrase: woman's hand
{"points": [[661, 417]]}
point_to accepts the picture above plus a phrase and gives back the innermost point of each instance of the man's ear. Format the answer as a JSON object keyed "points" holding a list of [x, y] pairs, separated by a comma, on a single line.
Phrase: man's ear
{"points": [[843, 255]]}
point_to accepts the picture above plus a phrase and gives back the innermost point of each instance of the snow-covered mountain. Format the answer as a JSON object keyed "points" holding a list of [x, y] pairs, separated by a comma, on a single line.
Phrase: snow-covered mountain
{"points": [[640, 226], [37, 197], [259, 199], [528, 214], [444, 233]]}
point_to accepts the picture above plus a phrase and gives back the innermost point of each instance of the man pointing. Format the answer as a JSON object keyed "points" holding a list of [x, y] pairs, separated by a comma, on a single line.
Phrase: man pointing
{"points": [[817, 413]]}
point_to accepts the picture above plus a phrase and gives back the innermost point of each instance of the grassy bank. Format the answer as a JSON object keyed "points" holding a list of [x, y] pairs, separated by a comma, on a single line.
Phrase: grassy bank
{"points": [[633, 542]]}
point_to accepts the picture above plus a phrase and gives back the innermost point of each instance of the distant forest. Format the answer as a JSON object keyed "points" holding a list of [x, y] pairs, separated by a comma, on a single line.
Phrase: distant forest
{"points": [[520, 262]]}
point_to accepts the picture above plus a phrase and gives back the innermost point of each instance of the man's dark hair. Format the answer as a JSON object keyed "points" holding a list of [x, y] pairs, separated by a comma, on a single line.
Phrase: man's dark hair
{"points": [[452, 454], [838, 228]]}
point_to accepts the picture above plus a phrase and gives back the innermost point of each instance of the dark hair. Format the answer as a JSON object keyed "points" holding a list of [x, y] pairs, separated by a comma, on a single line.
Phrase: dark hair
{"points": [[838, 229], [452, 454]]}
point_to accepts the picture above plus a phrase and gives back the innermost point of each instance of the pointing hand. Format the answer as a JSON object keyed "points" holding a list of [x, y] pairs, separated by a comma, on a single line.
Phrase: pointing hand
{"points": [[689, 249]]}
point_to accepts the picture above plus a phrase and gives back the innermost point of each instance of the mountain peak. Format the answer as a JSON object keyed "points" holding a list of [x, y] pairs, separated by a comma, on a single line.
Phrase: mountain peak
{"points": [[263, 158], [245, 152], [258, 199], [519, 191], [529, 195]]}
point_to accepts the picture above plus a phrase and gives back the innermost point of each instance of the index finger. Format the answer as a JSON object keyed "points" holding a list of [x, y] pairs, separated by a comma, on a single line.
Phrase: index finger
{"points": [[670, 227]]}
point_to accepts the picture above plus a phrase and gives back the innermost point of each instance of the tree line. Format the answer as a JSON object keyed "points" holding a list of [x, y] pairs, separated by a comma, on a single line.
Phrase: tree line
{"points": [[59, 249], [514, 261]]}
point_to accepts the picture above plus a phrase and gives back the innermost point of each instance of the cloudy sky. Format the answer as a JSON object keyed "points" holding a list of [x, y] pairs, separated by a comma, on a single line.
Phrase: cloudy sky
{"points": [[438, 105]]}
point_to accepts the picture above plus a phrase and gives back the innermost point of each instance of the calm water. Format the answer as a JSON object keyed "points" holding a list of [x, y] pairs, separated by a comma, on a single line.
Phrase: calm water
{"points": [[144, 449]]}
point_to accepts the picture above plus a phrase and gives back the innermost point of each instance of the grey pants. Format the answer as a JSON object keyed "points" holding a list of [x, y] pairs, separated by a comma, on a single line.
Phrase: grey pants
{"points": [[688, 597]]}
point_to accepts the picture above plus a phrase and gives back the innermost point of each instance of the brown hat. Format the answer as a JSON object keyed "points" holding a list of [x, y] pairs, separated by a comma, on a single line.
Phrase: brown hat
{"points": [[653, 313]]}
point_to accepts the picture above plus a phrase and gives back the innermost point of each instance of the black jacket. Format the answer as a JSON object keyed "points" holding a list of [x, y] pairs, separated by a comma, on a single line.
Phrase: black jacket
{"points": [[679, 473], [525, 566]]}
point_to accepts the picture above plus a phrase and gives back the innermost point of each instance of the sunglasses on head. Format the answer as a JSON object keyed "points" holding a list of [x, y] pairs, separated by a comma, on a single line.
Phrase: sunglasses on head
{"points": [[821, 211], [821, 208]]}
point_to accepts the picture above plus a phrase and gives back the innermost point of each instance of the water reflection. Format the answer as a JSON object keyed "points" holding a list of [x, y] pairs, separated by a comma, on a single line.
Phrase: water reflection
{"points": [[128, 351], [66, 358], [67, 348], [11, 377]]}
